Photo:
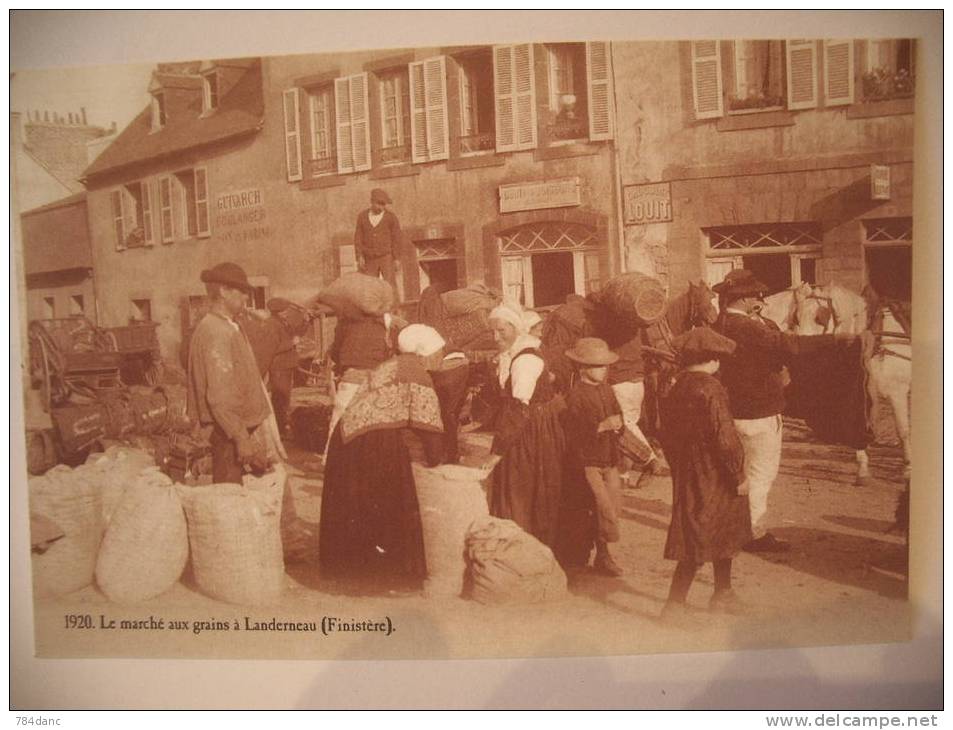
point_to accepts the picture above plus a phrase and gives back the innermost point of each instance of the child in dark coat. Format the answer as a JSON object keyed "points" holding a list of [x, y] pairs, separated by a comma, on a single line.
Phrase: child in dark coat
{"points": [[592, 419], [710, 516]]}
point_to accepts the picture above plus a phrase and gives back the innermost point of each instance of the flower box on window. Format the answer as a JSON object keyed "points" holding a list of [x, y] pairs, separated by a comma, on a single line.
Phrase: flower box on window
{"points": [[323, 166], [136, 238], [395, 154], [882, 84], [478, 143], [755, 103], [568, 129]]}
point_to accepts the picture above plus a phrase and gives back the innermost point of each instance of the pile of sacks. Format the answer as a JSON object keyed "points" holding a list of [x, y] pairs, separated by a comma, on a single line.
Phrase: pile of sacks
{"points": [[119, 521], [461, 316]]}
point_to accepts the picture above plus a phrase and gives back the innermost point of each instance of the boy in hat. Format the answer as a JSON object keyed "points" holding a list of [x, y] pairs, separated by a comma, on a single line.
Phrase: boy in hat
{"points": [[754, 378], [710, 517], [591, 420], [377, 238]]}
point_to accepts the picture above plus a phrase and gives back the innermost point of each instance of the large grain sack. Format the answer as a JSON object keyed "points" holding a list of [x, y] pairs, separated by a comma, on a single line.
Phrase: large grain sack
{"points": [[115, 469], [353, 294], [468, 331], [635, 299], [507, 565], [146, 545], [70, 499], [235, 538], [451, 497], [469, 299]]}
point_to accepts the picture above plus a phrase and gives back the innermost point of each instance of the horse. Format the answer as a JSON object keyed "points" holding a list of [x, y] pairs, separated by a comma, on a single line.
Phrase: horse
{"points": [[834, 308]]}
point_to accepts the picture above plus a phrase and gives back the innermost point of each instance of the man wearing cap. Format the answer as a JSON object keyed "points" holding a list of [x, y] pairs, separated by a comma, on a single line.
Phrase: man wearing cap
{"points": [[225, 390], [754, 380], [377, 238]]}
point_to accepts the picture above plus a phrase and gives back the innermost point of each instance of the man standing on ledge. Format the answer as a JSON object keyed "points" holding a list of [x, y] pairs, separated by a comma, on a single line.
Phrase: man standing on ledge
{"points": [[377, 238], [225, 390], [753, 378]]}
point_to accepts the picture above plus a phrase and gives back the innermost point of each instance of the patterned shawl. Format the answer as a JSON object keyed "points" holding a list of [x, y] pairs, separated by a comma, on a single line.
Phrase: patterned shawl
{"points": [[397, 394]]}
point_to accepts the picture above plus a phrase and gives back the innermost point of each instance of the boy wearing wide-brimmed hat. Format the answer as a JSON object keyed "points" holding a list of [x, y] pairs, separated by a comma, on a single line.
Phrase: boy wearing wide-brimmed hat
{"points": [[592, 419], [710, 517]]}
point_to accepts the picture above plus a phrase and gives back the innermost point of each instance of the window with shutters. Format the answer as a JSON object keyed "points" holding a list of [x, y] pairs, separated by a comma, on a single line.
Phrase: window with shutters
{"points": [[758, 76], [352, 123], [292, 118], [888, 69], [430, 122], [394, 90], [477, 118], [838, 72], [131, 206], [323, 158]]}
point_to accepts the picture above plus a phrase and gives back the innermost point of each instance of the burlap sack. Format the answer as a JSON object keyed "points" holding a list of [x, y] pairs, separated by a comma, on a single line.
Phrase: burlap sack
{"points": [[146, 545], [507, 565], [451, 497], [114, 470], [355, 294], [70, 498], [235, 538]]}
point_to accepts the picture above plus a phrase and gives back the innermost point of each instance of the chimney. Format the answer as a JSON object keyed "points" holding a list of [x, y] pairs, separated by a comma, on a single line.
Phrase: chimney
{"points": [[82, 111]]}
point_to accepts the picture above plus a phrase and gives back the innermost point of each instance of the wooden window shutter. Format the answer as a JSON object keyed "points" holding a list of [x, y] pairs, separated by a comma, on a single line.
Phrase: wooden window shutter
{"points": [[438, 130], [419, 151], [202, 225], [707, 91], [802, 74], [119, 223], [292, 135], [505, 97], [600, 90], [145, 193], [360, 122], [524, 76], [838, 72], [342, 110]]}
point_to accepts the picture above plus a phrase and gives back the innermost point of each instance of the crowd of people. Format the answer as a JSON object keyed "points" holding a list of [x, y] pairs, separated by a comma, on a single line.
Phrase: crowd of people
{"points": [[565, 424]]}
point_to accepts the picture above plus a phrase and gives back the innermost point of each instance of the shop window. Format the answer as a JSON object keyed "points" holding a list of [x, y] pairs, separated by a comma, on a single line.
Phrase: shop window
{"points": [[888, 256], [437, 262], [141, 310], [395, 116], [477, 118], [889, 71], [542, 263], [889, 231], [77, 305]]}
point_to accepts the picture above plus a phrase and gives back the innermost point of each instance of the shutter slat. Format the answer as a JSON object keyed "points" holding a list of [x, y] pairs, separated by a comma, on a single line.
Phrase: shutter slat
{"points": [[706, 79], [342, 105], [802, 74], [503, 92], [438, 132], [600, 93], [292, 135], [838, 72], [525, 87]]}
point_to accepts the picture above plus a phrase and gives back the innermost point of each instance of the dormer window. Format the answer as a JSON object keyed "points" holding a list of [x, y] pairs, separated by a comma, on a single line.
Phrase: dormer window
{"points": [[158, 111], [211, 92]]}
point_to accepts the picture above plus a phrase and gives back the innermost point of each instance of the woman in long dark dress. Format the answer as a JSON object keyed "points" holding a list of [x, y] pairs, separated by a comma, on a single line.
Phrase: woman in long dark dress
{"points": [[710, 516], [527, 482], [370, 518]]}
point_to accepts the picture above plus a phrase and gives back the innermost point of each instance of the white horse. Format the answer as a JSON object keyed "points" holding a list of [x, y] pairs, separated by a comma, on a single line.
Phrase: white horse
{"points": [[834, 308]]}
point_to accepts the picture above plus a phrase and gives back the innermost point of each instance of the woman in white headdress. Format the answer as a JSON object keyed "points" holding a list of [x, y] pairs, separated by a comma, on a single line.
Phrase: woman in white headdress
{"points": [[527, 482]]}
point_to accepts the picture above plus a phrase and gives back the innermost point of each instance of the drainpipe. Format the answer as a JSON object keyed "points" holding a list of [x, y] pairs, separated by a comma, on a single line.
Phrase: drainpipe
{"points": [[616, 166]]}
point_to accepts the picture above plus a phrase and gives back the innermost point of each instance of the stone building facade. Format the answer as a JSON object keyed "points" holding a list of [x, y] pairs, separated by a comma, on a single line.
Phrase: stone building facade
{"points": [[793, 158]]}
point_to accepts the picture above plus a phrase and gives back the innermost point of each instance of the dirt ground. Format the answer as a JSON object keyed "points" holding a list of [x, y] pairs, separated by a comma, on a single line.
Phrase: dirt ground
{"points": [[844, 581]]}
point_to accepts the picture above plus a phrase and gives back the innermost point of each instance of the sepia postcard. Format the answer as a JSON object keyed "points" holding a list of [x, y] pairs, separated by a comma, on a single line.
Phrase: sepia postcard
{"points": [[513, 336]]}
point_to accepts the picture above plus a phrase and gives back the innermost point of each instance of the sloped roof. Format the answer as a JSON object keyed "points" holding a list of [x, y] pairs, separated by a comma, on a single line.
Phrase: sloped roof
{"points": [[239, 112], [56, 236]]}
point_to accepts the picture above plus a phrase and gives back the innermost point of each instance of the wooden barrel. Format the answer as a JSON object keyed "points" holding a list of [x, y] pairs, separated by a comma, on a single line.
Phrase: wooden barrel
{"points": [[635, 299]]}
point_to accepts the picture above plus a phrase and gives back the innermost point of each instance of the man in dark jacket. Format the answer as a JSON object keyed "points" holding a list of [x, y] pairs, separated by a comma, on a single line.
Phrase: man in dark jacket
{"points": [[753, 377], [377, 238]]}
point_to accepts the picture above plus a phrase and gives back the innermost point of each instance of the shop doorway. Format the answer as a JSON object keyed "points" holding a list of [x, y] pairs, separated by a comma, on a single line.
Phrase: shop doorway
{"points": [[441, 273], [890, 272]]}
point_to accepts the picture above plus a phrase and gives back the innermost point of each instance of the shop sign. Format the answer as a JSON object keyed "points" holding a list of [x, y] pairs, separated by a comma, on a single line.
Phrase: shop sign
{"points": [[239, 200], [648, 203], [537, 195], [880, 182]]}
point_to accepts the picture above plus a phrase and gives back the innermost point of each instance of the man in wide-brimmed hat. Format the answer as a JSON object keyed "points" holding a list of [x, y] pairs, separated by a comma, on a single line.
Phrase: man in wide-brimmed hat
{"points": [[753, 378], [225, 390], [592, 418], [377, 238]]}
